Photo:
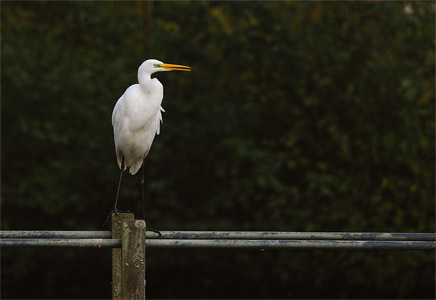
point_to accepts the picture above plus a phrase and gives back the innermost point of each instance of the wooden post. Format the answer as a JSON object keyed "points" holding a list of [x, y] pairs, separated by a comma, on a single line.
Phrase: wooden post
{"points": [[117, 230], [133, 260]]}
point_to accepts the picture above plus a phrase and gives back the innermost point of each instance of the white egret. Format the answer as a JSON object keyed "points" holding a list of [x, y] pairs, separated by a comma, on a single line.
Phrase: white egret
{"points": [[136, 119]]}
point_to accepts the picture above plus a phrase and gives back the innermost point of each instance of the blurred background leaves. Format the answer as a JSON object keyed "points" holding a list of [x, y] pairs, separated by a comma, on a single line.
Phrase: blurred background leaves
{"points": [[297, 116]]}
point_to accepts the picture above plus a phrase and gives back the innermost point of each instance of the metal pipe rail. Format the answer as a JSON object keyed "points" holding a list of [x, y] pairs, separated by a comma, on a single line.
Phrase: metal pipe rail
{"points": [[225, 239], [26, 234], [280, 235], [264, 235], [224, 243], [129, 240]]}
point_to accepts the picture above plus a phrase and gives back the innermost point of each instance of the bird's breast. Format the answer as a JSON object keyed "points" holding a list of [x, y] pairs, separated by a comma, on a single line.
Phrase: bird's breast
{"points": [[141, 107]]}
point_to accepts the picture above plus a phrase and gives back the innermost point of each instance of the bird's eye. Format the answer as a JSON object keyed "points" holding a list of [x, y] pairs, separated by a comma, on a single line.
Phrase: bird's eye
{"points": [[156, 65]]}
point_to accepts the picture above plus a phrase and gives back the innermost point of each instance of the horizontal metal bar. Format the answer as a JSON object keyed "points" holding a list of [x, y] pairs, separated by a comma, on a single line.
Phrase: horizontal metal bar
{"points": [[55, 234], [296, 244], [85, 243], [210, 243], [278, 235], [264, 235]]}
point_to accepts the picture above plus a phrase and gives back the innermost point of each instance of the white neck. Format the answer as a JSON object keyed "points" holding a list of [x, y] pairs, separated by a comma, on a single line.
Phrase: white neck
{"points": [[145, 81], [152, 88]]}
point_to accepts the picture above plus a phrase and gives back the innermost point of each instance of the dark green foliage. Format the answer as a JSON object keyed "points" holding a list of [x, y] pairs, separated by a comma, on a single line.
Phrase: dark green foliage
{"points": [[297, 116]]}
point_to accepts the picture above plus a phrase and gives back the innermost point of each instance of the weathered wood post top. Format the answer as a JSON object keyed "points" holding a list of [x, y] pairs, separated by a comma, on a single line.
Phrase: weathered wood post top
{"points": [[128, 262]]}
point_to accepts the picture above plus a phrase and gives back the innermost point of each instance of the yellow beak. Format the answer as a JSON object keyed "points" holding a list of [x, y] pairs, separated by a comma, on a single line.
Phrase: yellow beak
{"points": [[175, 67]]}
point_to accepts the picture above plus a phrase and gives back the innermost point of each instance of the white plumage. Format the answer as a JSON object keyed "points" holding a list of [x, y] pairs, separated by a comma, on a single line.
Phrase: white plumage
{"points": [[137, 115]]}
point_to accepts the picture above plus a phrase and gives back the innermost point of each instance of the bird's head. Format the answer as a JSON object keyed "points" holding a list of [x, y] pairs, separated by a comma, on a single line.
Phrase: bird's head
{"points": [[151, 66]]}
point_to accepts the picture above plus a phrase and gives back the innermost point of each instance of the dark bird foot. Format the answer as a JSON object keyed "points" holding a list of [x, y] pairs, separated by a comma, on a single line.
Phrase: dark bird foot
{"points": [[155, 231]]}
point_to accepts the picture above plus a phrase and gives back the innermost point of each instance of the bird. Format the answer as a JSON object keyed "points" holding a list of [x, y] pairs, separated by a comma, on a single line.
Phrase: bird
{"points": [[136, 120]]}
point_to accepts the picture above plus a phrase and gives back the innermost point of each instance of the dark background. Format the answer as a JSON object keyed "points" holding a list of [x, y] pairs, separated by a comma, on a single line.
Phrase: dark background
{"points": [[297, 116]]}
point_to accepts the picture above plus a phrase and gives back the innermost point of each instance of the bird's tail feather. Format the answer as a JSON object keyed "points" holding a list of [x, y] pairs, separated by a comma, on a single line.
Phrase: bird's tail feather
{"points": [[120, 159]]}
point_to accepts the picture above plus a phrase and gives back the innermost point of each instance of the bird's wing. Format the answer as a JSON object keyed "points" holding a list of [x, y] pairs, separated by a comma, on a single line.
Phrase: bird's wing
{"points": [[117, 123], [117, 113], [159, 120]]}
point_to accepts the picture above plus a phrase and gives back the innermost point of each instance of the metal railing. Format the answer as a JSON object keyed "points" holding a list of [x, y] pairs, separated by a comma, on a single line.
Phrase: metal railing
{"points": [[129, 239], [223, 239]]}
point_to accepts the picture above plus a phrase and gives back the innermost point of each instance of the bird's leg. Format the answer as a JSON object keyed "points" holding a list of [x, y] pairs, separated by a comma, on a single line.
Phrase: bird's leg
{"points": [[115, 209], [142, 189]]}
